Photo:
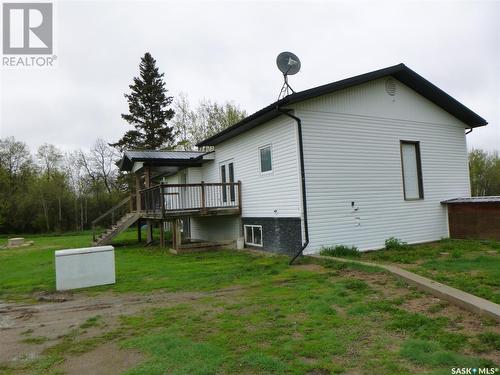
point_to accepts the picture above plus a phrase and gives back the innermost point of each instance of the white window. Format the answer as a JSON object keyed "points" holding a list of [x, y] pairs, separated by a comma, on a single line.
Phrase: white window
{"points": [[412, 171], [253, 235], [266, 162]]}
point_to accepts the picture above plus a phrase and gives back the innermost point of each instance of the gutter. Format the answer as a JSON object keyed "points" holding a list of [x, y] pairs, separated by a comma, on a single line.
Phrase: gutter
{"points": [[303, 182]]}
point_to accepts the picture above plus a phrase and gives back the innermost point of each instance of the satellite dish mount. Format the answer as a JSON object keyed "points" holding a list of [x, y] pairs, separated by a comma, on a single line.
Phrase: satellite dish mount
{"points": [[288, 64]]}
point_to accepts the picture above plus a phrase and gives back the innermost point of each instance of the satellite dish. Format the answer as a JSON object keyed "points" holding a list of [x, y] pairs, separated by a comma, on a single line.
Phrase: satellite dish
{"points": [[288, 63]]}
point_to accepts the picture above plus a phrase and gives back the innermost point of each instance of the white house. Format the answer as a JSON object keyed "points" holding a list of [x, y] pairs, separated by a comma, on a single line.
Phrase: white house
{"points": [[352, 162]]}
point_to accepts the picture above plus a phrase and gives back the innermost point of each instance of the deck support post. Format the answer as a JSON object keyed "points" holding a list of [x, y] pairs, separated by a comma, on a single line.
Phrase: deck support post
{"points": [[139, 231], [162, 234], [203, 197], [150, 231], [137, 192], [176, 234], [179, 234]]}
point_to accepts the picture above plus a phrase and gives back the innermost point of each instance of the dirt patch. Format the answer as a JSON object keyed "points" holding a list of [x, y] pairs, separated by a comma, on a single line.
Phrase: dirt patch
{"points": [[26, 330], [310, 267], [53, 297], [386, 285], [108, 358], [382, 282]]}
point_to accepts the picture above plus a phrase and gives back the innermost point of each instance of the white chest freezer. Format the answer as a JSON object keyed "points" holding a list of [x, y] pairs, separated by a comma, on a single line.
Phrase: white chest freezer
{"points": [[84, 267]]}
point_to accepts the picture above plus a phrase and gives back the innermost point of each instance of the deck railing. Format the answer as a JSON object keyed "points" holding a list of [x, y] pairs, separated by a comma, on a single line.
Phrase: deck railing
{"points": [[165, 199]]}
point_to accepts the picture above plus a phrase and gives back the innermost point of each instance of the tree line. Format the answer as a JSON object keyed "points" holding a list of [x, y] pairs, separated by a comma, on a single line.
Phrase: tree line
{"points": [[49, 190], [484, 169], [53, 191]]}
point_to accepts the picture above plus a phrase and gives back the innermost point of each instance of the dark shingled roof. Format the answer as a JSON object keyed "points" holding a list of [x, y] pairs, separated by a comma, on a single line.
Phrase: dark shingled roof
{"points": [[401, 72], [159, 158]]}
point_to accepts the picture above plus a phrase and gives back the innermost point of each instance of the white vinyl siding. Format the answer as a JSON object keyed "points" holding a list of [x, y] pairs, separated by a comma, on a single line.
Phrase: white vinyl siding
{"points": [[275, 194], [218, 228], [353, 154], [194, 175]]}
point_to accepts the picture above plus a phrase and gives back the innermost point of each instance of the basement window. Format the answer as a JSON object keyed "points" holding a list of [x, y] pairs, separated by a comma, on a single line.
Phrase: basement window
{"points": [[412, 170], [266, 162], [253, 235]]}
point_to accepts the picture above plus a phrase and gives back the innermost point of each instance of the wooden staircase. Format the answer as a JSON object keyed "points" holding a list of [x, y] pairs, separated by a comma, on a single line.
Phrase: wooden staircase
{"points": [[124, 223], [123, 210]]}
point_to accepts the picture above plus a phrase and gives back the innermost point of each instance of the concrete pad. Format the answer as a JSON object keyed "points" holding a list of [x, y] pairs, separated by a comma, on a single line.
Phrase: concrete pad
{"points": [[14, 242], [467, 301]]}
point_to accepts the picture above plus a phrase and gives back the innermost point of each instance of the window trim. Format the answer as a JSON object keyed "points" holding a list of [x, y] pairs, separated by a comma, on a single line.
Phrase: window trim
{"points": [[260, 159], [253, 236], [419, 169]]}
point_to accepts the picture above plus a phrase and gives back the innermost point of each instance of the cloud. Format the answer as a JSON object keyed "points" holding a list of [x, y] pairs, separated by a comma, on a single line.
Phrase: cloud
{"points": [[227, 50]]}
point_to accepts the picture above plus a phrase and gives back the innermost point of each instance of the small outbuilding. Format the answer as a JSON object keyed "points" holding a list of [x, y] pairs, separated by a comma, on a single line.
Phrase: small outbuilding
{"points": [[474, 217]]}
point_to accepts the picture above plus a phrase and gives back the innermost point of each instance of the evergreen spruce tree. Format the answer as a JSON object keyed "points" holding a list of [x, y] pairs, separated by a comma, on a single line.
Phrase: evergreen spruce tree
{"points": [[149, 110]]}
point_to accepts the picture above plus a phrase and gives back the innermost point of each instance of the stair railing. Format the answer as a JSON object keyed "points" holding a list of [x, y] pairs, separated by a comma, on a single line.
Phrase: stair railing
{"points": [[123, 207]]}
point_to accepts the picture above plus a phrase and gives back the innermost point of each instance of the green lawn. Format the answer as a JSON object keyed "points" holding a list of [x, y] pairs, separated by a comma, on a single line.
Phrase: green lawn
{"points": [[469, 265], [282, 320]]}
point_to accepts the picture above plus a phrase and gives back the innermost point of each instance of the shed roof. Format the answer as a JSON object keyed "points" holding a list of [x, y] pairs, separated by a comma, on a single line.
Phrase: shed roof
{"points": [[160, 158], [401, 72], [490, 199]]}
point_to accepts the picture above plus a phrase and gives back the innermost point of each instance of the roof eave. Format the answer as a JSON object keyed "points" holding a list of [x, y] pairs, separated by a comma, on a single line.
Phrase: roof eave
{"points": [[401, 72]]}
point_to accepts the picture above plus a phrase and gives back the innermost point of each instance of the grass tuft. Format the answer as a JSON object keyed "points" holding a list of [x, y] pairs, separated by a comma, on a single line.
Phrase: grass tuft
{"points": [[91, 322], [430, 353], [486, 342], [36, 340], [340, 251]]}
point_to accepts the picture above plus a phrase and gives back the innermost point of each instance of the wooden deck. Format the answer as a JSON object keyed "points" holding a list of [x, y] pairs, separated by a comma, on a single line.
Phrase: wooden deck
{"points": [[172, 214], [164, 202], [171, 203]]}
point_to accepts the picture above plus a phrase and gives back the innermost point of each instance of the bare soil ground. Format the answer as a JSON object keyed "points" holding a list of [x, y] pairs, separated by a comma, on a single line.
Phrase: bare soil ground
{"points": [[26, 330], [108, 358]]}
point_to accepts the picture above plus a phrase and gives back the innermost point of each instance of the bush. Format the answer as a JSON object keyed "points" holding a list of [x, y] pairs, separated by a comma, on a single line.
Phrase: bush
{"points": [[340, 251], [393, 243]]}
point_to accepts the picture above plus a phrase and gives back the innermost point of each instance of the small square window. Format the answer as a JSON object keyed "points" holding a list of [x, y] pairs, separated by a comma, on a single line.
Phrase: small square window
{"points": [[266, 163], [253, 235]]}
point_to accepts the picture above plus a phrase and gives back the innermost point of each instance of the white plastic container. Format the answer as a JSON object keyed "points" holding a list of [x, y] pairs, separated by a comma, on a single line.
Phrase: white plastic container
{"points": [[84, 267]]}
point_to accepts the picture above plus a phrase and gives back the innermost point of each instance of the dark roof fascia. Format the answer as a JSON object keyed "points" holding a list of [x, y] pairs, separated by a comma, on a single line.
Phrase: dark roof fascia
{"points": [[126, 164], [433, 93], [401, 72]]}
